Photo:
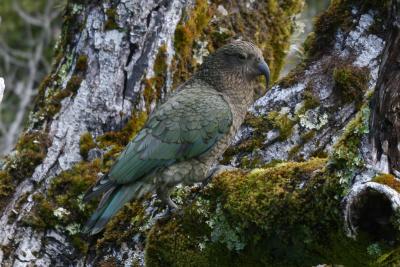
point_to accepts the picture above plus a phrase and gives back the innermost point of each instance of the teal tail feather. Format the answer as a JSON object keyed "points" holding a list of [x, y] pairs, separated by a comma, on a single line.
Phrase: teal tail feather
{"points": [[104, 184], [112, 201]]}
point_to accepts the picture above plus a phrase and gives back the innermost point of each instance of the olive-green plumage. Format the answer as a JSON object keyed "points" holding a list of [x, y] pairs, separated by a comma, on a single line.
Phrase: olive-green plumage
{"points": [[184, 136]]}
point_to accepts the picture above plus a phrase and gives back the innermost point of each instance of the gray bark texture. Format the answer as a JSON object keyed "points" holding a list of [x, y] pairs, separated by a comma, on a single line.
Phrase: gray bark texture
{"points": [[112, 87], [385, 121], [117, 59]]}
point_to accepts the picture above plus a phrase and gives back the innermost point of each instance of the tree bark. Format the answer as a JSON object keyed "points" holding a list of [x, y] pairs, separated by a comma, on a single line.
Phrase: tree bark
{"points": [[385, 121], [117, 59], [103, 52], [309, 213], [114, 62]]}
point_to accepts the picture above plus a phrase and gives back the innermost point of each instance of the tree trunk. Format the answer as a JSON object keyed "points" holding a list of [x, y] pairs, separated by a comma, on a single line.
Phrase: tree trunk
{"points": [[385, 122], [117, 59], [340, 211], [114, 62], [104, 54]]}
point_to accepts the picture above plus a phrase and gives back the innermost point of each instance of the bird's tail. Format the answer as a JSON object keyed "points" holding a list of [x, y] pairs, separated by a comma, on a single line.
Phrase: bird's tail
{"points": [[102, 185], [112, 201]]}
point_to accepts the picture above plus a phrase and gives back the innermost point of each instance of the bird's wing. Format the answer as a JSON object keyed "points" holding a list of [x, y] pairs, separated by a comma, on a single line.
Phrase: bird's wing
{"points": [[184, 127]]}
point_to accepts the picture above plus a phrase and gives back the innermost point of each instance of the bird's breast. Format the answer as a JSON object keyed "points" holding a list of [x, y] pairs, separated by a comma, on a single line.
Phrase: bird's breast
{"points": [[239, 103]]}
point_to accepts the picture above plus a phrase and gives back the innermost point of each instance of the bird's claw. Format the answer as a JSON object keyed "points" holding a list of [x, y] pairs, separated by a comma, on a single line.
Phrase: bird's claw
{"points": [[168, 213], [165, 215], [217, 170]]}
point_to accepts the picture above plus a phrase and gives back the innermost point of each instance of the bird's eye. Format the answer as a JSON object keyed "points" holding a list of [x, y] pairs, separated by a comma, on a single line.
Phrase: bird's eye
{"points": [[242, 56]]}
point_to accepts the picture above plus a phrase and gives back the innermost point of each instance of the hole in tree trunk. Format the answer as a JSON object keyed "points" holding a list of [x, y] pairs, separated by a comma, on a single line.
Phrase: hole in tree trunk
{"points": [[372, 214]]}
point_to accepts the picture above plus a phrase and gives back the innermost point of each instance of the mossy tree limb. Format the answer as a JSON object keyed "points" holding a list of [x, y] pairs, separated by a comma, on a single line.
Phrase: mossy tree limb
{"points": [[290, 214], [350, 213]]}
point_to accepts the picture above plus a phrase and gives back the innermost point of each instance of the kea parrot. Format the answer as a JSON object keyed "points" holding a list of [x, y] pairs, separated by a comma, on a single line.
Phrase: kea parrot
{"points": [[185, 136]]}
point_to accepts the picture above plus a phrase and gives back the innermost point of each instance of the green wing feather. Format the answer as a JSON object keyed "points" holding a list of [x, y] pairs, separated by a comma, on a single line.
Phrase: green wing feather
{"points": [[184, 127]]}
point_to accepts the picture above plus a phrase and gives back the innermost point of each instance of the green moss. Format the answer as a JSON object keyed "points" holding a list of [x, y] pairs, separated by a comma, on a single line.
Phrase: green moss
{"points": [[73, 84], [31, 149], [46, 82], [319, 153], [261, 126], [51, 93], [6, 188], [154, 86], [81, 63], [48, 101], [43, 214], [59, 96], [188, 30], [271, 35], [183, 246], [308, 43], [346, 157], [51, 104], [391, 258], [389, 180], [351, 83], [292, 77], [310, 101], [339, 16], [111, 22], [131, 218], [109, 262], [273, 163], [286, 215], [307, 136], [73, 23], [86, 143], [276, 187], [257, 122], [282, 122], [62, 206], [304, 138], [283, 227], [294, 150], [122, 137]]}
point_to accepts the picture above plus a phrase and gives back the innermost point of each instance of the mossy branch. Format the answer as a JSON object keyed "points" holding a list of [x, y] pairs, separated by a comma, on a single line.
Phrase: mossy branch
{"points": [[286, 215]]}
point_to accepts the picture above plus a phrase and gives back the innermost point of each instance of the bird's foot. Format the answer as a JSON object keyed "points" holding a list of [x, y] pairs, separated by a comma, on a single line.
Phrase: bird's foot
{"points": [[168, 213], [171, 209], [165, 215], [217, 170]]}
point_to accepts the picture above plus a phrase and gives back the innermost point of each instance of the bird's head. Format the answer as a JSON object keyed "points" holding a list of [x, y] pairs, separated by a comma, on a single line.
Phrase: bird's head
{"points": [[238, 60]]}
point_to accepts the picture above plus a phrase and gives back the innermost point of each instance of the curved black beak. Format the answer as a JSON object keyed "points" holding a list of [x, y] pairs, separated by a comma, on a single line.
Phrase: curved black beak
{"points": [[264, 70]]}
